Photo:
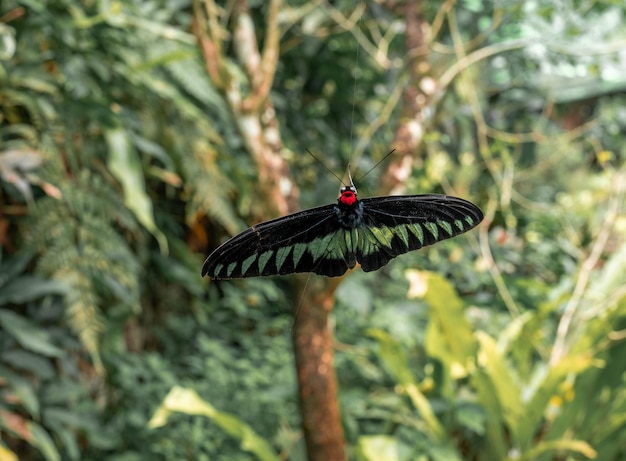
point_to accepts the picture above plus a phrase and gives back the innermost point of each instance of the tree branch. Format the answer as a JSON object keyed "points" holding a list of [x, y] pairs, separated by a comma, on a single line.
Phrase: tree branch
{"points": [[416, 96]]}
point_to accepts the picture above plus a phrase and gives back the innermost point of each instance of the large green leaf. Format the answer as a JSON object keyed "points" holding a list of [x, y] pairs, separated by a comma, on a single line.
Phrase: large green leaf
{"points": [[503, 384], [125, 165], [449, 336], [396, 361], [187, 401]]}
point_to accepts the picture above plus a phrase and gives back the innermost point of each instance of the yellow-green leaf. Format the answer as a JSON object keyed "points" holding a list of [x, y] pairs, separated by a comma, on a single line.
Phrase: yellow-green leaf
{"points": [[449, 335], [183, 400]]}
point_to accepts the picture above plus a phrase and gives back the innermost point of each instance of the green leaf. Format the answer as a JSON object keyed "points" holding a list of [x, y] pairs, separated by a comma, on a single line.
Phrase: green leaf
{"points": [[494, 368], [187, 401], [576, 446], [28, 288], [30, 432], [393, 356], [12, 267], [495, 447], [40, 438], [29, 335], [125, 165], [449, 336], [395, 360], [548, 387], [23, 391], [472, 417], [383, 448]]}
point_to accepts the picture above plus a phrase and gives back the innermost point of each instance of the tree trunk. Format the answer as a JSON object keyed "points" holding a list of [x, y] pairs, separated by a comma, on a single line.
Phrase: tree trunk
{"points": [[312, 338], [313, 348]]}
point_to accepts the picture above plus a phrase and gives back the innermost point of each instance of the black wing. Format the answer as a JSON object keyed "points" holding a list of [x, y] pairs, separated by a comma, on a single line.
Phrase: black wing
{"points": [[301, 242], [395, 225]]}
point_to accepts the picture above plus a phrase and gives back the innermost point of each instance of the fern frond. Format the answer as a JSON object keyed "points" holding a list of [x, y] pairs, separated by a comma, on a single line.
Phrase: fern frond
{"points": [[211, 191], [81, 246], [82, 311]]}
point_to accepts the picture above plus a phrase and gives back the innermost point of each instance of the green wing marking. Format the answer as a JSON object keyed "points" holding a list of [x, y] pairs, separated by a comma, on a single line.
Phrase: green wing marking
{"points": [[417, 231], [432, 227], [403, 233], [230, 268], [281, 256], [298, 251], [319, 246], [351, 237], [245, 265], [446, 226], [264, 259]]}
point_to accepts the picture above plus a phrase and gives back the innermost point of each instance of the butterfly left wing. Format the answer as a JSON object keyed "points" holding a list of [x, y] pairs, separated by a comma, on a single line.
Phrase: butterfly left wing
{"points": [[395, 225], [307, 241]]}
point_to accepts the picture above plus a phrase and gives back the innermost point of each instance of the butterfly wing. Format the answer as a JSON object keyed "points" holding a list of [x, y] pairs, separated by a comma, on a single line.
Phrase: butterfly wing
{"points": [[307, 241], [398, 224]]}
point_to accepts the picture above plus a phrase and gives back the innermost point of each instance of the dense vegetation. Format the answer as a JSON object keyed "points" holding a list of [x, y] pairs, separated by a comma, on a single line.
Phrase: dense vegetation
{"points": [[124, 161]]}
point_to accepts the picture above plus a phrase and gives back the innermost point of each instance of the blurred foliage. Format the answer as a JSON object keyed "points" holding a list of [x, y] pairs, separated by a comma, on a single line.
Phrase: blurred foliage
{"points": [[121, 167]]}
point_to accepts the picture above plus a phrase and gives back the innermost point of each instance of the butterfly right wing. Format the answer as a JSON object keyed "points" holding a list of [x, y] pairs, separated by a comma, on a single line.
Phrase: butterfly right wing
{"points": [[395, 225], [307, 241]]}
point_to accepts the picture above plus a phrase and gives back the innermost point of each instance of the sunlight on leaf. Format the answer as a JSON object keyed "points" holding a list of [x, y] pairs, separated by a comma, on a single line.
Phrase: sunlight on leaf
{"points": [[6, 454], [383, 448], [576, 446]]}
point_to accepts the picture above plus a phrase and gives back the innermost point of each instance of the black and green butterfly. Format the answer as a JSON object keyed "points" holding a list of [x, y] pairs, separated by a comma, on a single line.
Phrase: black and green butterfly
{"points": [[331, 239]]}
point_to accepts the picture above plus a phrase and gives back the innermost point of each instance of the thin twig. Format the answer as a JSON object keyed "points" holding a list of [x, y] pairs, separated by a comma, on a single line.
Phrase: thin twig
{"points": [[559, 349], [379, 52], [496, 275], [383, 117], [479, 55]]}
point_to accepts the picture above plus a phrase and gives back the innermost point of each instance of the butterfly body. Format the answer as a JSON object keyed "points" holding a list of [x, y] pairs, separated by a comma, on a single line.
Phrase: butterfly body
{"points": [[349, 210], [331, 239]]}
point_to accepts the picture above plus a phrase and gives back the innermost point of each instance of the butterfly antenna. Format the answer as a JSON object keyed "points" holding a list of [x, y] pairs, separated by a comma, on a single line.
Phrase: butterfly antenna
{"points": [[378, 163], [327, 169]]}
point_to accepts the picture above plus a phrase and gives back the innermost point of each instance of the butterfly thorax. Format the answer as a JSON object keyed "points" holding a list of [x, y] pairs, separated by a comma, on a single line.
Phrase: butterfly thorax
{"points": [[349, 209]]}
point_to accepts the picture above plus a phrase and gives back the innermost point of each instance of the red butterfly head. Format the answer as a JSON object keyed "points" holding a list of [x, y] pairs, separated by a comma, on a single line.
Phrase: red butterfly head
{"points": [[347, 195]]}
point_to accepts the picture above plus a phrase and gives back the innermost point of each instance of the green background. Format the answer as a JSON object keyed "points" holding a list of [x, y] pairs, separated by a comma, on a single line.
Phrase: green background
{"points": [[122, 165]]}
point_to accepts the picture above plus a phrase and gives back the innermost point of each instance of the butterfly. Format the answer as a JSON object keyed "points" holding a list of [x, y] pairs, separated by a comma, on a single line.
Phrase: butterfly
{"points": [[329, 240]]}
